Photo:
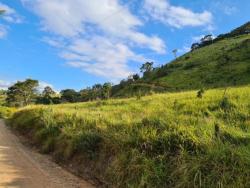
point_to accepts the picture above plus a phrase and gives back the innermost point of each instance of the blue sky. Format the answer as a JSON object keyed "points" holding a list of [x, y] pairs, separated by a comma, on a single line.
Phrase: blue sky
{"points": [[77, 43]]}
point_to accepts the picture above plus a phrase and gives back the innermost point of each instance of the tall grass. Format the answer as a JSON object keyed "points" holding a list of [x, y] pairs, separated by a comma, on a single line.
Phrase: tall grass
{"points": [[6, 112], [162, 140]]}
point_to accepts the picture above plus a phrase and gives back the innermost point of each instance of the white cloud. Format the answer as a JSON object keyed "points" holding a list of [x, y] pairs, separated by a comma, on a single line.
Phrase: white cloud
{"points": [[3, 31], [5, 84], [176, 16], [225, 6], [97, 38], [42, 85], [184, 49], [110, 57], [197, 38], [10, 15]]}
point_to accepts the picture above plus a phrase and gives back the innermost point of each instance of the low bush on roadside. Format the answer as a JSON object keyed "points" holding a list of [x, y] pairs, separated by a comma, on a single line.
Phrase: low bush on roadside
{"points": [[6, 112]]}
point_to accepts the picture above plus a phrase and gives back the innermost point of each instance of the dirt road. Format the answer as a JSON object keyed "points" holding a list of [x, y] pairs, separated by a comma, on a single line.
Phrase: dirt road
{"points": [[21, 167]]}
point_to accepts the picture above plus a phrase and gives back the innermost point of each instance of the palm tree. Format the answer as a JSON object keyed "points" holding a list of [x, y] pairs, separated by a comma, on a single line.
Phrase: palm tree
{"points": [[175, 53]]}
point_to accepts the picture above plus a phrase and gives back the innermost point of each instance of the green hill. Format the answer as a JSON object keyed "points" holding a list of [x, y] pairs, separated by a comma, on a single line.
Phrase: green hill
{"points": [[222, 62]]}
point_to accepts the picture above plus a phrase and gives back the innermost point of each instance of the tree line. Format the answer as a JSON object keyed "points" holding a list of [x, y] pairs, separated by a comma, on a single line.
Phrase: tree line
{"points": [[24, 93]]}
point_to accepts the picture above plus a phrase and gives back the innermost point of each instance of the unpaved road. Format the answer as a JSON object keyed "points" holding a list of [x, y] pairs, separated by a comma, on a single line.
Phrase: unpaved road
{"points": [[21, 167]]}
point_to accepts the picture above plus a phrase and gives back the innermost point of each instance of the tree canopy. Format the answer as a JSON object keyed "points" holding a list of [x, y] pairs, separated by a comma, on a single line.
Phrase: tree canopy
{"points": [[22, 93], [146, 68]]}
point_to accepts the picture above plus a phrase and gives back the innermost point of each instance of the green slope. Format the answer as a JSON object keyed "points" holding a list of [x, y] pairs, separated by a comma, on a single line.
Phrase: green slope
{"points": [[225, 62]]}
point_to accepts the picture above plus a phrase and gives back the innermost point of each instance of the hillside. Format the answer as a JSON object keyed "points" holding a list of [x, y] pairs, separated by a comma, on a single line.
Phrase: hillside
{"points": [[223, 62], [162, 140]]}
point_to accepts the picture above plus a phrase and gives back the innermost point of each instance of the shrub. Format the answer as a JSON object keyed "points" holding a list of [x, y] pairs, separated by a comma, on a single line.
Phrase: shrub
{"points": [[200, 93], [88, 143], [226, 105], [6, 112]]}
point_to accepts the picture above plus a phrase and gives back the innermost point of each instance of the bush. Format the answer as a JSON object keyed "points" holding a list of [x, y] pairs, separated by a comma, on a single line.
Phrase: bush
{"points": [[6, 112], [200, 93], [226, 105]]}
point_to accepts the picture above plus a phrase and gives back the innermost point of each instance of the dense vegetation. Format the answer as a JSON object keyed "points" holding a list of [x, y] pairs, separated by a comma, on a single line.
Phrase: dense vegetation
{"points": [[2, 97], [184, 139]]}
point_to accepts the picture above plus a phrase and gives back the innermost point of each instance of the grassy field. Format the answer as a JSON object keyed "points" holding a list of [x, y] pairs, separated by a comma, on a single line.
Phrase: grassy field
{"points": [[2, 98], [162, 140], [5, 112]]}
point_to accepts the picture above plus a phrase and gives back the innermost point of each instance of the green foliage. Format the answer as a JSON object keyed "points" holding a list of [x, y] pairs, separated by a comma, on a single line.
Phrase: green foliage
{"points": [[200, 93], [146, 68], [162, 140], [225, 104], [22, 93], [48, 97], [48, 92], [6, 112], [106, 89], [2, 97], [69, 95]]}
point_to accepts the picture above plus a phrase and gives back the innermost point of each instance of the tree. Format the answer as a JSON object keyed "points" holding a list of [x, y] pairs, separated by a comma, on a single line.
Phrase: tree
{"points": [[130, 79], [70, 95], [86, 94], [146, 68], [48, 92], [175, 53], [207, 38], [96, 91], [195, 46], [22, 93], [106, 90], [47, 96], [2, 92], [136, 77]]}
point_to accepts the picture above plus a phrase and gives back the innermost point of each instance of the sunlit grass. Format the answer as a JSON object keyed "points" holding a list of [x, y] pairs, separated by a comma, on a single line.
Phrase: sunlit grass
{"points": [[162, 140]]}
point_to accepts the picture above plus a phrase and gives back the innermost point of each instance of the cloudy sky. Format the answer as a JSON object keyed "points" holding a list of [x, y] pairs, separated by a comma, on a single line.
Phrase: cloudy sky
{"points": [[77, 43]]}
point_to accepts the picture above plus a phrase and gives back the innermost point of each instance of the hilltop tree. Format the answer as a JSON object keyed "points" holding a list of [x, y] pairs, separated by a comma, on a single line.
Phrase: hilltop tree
{"points": [[207, 38], [195, 46], [22, 93], [175, 53], [136, 77], [146, 68]]}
